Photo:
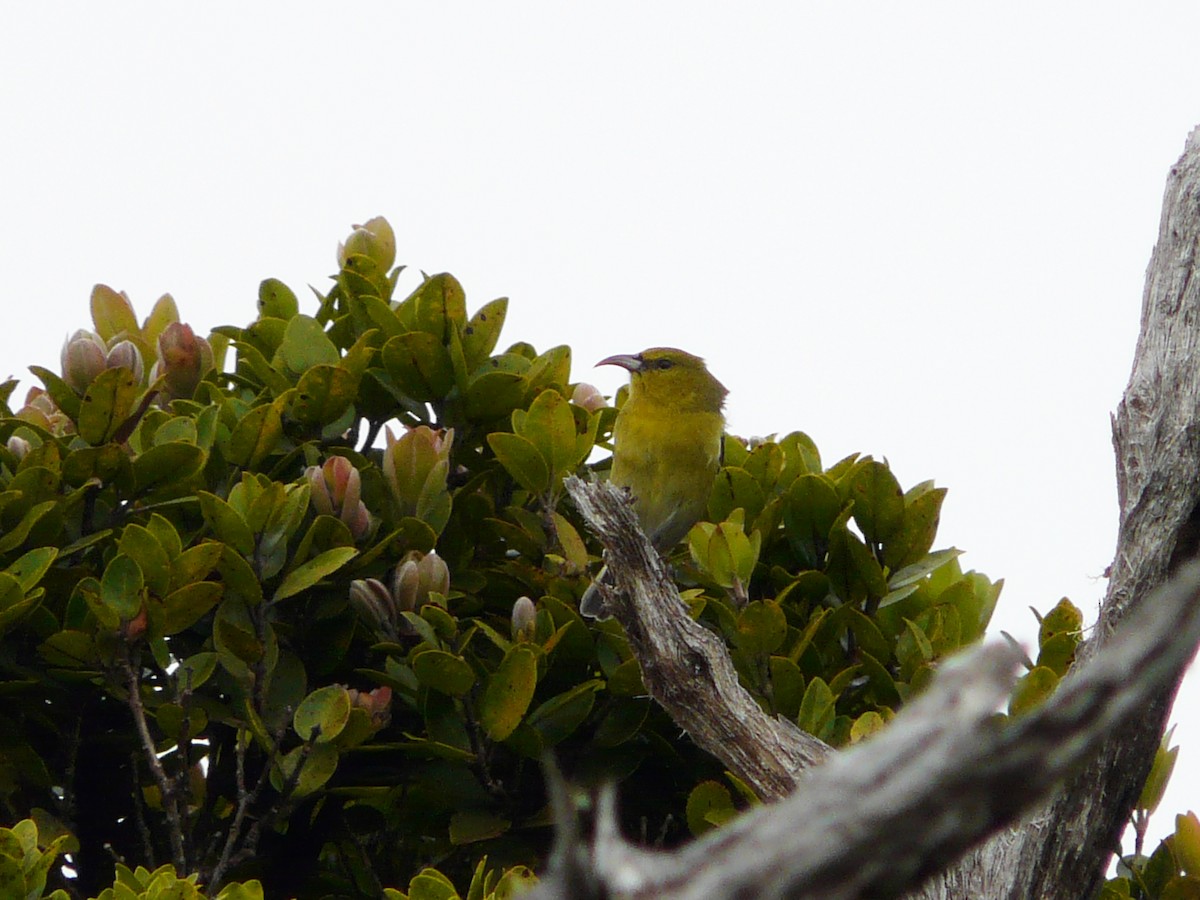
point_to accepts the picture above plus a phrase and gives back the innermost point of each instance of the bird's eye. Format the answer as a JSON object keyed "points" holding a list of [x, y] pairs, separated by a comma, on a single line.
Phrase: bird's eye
{"points": [[664, 363]]}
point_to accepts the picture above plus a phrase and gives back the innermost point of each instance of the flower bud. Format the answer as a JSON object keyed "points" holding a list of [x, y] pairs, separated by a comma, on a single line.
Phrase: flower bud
{"points": [[417, 576], [377, 704], [18, 446], [184, 359], [416, 465], [40, 410], [588, 396], [126, 354], [336, 489], [524, 619], [375, 240], [84, 356], [370, 597], [406, 583]]}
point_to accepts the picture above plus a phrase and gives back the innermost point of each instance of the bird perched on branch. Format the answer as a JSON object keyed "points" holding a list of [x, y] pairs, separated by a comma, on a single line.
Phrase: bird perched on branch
{"points": [[667, 447]]}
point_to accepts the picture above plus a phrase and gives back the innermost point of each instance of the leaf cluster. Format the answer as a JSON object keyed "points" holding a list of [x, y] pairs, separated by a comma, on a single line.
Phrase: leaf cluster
{"points": [[309, 614]]}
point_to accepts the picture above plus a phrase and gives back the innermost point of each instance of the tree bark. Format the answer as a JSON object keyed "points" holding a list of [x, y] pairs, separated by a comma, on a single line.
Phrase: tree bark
{"points": [[868, 822]]}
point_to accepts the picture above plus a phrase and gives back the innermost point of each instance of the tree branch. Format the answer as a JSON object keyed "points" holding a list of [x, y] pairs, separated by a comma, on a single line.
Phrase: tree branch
{"points": [[685, 666]]}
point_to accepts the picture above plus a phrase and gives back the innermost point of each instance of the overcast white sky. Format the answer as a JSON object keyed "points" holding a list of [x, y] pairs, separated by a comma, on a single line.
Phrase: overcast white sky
{"points": [[913, 230]]}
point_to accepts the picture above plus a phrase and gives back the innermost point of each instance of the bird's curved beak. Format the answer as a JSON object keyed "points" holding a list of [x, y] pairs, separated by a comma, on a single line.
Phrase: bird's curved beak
{"points": [[625, 361]]}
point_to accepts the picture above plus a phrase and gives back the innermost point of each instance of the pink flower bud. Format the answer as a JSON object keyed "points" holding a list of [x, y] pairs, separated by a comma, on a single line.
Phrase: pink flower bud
{"points": [[183, 358], [588, 396], [336, 489]]}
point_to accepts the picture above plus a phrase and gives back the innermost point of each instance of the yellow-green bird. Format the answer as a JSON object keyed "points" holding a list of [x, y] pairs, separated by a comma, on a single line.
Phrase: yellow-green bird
{"points": [[667, 446]]}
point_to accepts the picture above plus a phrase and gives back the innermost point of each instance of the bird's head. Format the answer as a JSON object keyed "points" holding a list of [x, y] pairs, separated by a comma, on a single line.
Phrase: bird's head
{"points": [[672, 377]]}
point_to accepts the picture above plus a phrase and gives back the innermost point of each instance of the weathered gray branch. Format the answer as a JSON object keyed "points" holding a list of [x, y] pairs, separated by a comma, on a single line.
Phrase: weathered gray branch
{"points": [[875, 820], [685, 667]]}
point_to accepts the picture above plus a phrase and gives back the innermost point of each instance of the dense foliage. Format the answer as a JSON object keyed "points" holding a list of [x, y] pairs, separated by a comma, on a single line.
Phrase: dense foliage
{"points": [[295, 605]]}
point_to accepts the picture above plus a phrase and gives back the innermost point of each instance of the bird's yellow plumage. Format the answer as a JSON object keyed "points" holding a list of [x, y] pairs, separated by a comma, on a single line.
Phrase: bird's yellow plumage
{"points": [[667, 445]]}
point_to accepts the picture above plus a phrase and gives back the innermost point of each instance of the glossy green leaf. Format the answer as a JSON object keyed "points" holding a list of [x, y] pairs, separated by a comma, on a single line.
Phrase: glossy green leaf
{"points": [[811, 508], [817, 708], [469, 827], [316, 765], [170, 462], [29, 568], [106, 405], [709, 806], [549, 425], [194, 563], [185, 606], [276, 299], [762, 627], [255, 436], [226, 523], [508, 692], [419, 364], [121, 587], [1031, 690], [305, 345], [522, 460], [482, 332], [878, 501], [305, 576], [323, 713], [443, 672], [323, 394]]}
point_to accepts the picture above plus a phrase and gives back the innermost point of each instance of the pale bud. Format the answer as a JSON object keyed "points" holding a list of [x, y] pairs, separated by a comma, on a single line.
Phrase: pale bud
{"points": [[18, 446], [524, 619], [84, 356], [126, 354], [588, 396]]}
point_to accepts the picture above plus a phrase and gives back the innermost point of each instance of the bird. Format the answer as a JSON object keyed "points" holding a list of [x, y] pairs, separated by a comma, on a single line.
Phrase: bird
{"points": [[667, 441]]}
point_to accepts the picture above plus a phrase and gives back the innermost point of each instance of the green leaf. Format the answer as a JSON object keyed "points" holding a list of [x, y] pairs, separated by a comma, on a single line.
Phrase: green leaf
{"points": [[811, 508], [323, 713], [194, 563], [508, 692], [443, 672], [1032, 689], [482, 332], [305, 576], [112, 314], [549, 425], [521, 460], [185, 606], [878, 501], [560, 716], [419, 364], [107, 404], [817, 708], [31, 566], [143, 547], [60, 392], [918, 570], [709, 805], [472, 826], [276, 300], [787, 686], [735, 488], [318, 768], [121, 587], [226, 523], [170, 462], [762, 627], [15, 537], [305, 345], [256, 434], [323, 394]]}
